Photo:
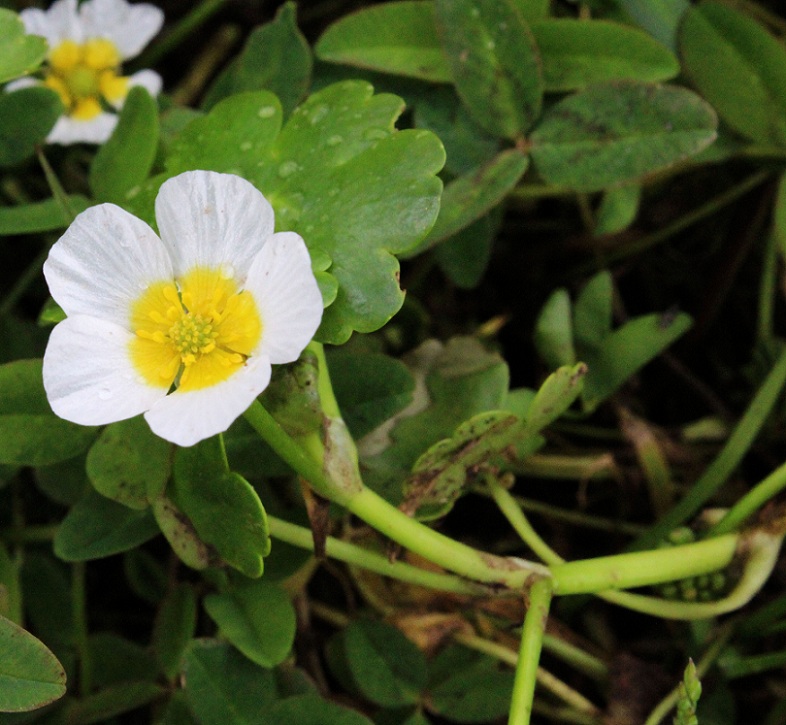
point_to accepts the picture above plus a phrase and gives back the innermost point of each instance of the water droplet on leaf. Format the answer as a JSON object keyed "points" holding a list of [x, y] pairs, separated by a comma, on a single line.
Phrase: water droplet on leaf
{"points": [[318, 113], [287, 169], [266, 112], [335, 140]]}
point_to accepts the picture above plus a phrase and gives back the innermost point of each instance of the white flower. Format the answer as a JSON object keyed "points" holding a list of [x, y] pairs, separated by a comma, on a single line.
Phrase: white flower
{"points": [[86, 47], [183, 328]]}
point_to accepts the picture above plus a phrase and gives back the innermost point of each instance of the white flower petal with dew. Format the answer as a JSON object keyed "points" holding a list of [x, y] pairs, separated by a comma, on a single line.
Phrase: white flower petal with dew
{"points": [[103, 262], [187, 418], [211, 225], [217, 301], [282, 283], [68, 130], [129, 27], [88, 376], [60, 22]]}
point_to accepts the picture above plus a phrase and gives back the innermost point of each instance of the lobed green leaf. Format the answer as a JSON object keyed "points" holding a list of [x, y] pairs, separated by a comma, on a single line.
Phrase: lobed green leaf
{"points": [[26, 117], [40, 216]]}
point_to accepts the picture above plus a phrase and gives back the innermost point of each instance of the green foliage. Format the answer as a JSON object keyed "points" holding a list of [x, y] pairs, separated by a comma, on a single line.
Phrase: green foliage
{"points": [[126, 159], [223, 507], [26, 117], [739, 68], [565, 334], [576, 53], [129, 464], [41, 216], [30, 434], [618, 132], [21, 53], [493, 62], [257, 618], [276, 58], [30, 676], [395, 37]]}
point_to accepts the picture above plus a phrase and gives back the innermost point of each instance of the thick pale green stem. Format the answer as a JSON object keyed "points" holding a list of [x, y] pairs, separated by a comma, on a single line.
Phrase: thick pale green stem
{"points": [[529, 653], [722, 467]]}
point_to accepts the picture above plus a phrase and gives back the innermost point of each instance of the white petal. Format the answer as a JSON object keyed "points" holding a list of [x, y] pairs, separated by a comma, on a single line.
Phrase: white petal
{"points": [[88, 374], [129, 27], [103, 262], [20, 83], [187, 418], [61, 22], [147, 79], [97, 130], [213, 220], [287, 295]]}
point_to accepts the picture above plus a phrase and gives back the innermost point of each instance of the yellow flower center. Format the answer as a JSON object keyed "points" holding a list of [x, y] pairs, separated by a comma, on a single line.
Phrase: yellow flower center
{"points": [[194, 335], [85, 75]]}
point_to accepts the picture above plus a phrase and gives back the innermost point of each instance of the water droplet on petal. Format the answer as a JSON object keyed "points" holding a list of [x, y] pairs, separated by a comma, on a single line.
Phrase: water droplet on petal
{"points": [[105, 393]]}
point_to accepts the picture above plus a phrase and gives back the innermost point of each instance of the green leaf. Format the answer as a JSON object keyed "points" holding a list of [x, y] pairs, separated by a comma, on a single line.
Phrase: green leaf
{"points": [[627, 350], [739, 68], [10, 591], [26, 117], [174, 627], [617, 132], [470, 197], [467, 145], [453, 382], [97, 527], [22, 53], [355, 189], [554, 331], [370, 388], [101, 707], [464, 257], [532, 10], [660, 18], [30, 434], [276, 58], [385, 666], [439, 476], [593, 311], [114, 659], [576, 53], [30, 675], [129, 464], [312, 710], [396, 37], [617, 210], [181, 535], [40, 216], [223, 686], [126, 158], [554, 397], [257, 618], [223, 507], [467, 687], [494, 63]]}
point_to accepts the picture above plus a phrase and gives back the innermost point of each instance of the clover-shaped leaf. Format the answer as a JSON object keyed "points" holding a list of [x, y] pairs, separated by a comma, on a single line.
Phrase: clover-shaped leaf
{"points": [[22, 53], [338, 173]]}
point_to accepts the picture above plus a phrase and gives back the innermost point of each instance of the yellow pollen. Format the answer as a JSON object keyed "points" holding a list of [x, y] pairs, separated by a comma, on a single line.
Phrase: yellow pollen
{"points": [[194, 335], [86, 75]]}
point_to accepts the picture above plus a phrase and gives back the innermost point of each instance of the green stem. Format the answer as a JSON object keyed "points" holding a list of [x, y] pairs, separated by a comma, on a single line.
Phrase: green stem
{"points": [[642, 568], [685, 221], [389, 520], [584, 662], [549, 682], [327, 398], [357, 556], [707, 660], [25, 534], [722, 467], [578, 518], [751, 502], [767, 295], [179, 33], [79, 604], [529, 653]]}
